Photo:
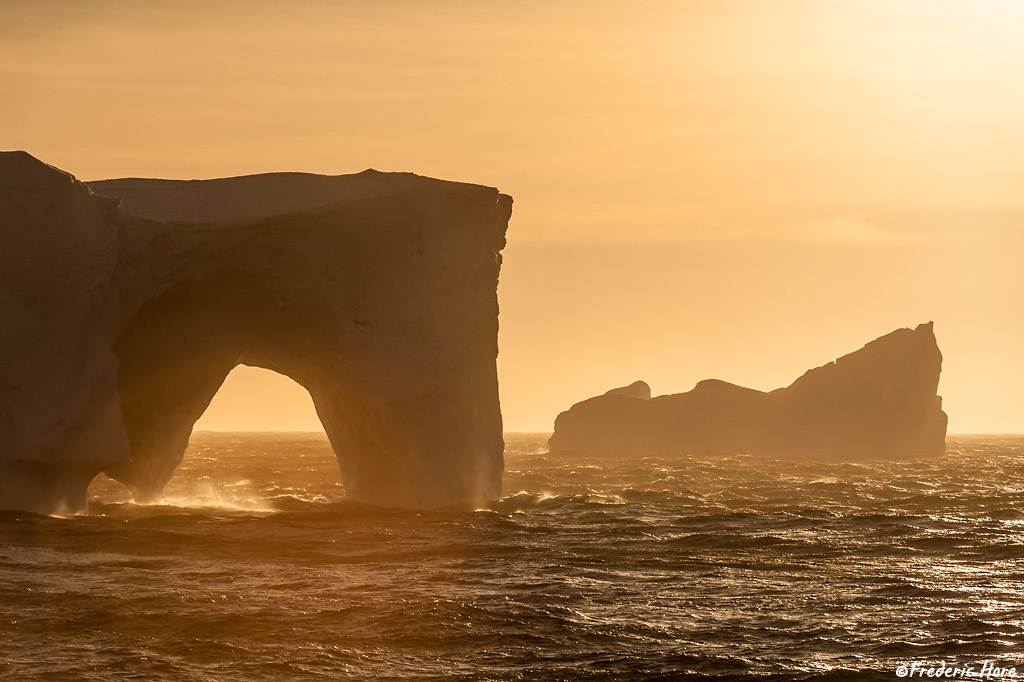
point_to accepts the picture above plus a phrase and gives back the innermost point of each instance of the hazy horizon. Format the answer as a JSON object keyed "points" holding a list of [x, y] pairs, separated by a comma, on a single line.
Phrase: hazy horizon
{"points": [[730, 191]]}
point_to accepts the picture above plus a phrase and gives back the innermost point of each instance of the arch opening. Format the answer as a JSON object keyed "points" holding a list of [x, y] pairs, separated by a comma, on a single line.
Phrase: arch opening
{"points": [[259, 446], [177, 354], [180, 347], [258, 399]]}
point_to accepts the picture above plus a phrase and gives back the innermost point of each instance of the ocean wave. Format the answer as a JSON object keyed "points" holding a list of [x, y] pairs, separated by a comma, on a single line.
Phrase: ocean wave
{"points": [[255, 567]]}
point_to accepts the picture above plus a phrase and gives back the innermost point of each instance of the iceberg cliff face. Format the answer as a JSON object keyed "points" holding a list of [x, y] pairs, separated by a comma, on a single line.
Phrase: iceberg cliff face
{"points": [[879, 401], [124, 304]]}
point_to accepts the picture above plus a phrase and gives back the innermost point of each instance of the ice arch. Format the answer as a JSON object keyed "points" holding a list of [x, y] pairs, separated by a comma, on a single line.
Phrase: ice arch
{"points": [[376, 292]]}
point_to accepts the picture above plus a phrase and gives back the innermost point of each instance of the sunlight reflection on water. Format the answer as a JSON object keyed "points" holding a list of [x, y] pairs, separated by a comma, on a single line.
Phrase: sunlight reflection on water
{"points": [[253, 567]]}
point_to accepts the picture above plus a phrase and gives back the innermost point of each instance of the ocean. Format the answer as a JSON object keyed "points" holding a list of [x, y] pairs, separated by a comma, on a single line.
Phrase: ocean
{"points": [[589, 568]]}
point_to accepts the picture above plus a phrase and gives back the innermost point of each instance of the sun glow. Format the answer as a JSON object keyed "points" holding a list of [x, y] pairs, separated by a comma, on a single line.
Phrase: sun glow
{"points": [[691, 171]]}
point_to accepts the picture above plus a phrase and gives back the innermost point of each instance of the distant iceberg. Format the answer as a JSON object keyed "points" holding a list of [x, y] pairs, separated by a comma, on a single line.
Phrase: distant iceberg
{"points": [[879, 401]]}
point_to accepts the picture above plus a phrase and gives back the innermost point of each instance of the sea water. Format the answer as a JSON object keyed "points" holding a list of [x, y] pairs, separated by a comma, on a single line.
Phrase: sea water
{"points": [[594, 568]]}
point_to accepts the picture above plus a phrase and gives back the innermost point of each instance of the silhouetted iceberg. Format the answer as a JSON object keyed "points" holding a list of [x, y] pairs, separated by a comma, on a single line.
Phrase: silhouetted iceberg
{"points": [[121, 317], [879, 401]]}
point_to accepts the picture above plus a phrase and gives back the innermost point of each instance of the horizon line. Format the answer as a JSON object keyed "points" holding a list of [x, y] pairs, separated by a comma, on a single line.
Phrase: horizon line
{"points": [[229, 430]]}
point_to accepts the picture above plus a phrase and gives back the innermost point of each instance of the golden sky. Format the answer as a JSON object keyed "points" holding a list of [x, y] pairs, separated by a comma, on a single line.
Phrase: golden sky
{"points": [[739, 190]]}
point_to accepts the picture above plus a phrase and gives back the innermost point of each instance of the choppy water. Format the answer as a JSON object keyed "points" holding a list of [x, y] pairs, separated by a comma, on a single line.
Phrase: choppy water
{"points": [[595, 568]]}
